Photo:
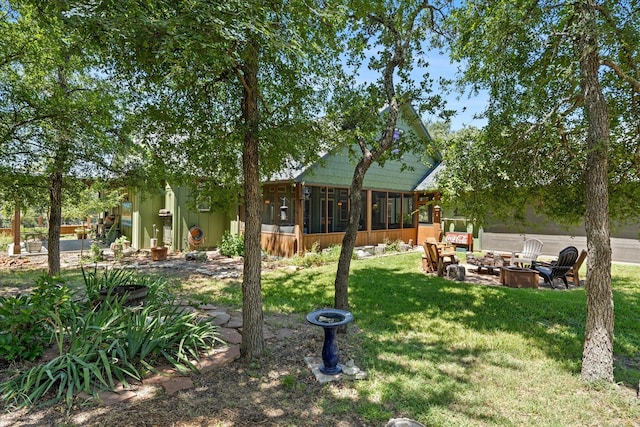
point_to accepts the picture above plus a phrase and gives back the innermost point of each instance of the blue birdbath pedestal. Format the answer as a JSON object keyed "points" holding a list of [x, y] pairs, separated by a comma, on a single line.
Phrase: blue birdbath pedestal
{"points": [[330, 319]]}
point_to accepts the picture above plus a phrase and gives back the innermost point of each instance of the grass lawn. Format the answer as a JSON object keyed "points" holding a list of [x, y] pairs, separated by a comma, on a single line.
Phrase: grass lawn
{"points": [[447, 353], [455, 354]]}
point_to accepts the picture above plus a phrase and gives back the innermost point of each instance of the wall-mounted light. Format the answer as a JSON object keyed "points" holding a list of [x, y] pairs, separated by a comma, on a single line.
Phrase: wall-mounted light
{"points": [[283, 209], [267, 201]]}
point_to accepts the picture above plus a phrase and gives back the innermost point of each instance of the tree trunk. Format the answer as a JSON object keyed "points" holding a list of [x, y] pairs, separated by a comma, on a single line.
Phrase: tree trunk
{"points": [[341, 284], [252, 316], [597, 358], [55, 220]]}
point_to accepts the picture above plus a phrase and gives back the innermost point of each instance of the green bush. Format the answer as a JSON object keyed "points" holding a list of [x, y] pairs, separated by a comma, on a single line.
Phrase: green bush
{"points": [[99, 344], [315, 258], [5, 240], [96, 252], [26, 321], [392, 246], [231, 244]]}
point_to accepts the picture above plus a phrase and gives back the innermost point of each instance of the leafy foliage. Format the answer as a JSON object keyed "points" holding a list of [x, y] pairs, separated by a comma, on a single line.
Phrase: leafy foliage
{"points": [[563, 85], [26, 321], [99, 344], [231, 244], [534, 149]]}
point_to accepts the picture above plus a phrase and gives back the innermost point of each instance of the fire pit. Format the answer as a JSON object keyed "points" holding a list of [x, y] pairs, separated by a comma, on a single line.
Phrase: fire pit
{"points": [[330, 319]]}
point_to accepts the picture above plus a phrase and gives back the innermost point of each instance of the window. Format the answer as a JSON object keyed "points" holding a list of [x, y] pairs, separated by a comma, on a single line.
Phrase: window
{"points": [[362, 225], [314, 210], [378, 210], [425, 214], [394, 210], [278, 207], [342, 210], [408, 215]]}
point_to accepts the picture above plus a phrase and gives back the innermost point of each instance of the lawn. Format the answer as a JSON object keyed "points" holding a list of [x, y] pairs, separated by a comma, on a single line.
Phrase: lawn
{"points": [[446, 353]]}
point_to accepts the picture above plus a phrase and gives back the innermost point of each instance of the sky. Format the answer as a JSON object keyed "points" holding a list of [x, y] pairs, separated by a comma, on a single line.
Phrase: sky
{"points": [[465, 105]]}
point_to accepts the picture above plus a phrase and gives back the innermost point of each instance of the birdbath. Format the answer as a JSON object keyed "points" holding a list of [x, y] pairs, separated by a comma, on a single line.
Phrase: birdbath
{"points": [[330, 319]]}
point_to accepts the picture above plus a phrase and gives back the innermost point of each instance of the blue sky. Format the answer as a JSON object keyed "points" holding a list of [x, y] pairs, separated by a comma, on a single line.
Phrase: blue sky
{"points": [[466, 106]]}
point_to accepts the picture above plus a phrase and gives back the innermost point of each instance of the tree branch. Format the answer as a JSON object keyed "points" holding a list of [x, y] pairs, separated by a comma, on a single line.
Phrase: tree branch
{"points": [[634, 83]]}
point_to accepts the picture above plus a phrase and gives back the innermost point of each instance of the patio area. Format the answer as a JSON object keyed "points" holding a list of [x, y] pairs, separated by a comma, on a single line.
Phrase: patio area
{"points": [[493, 278]]}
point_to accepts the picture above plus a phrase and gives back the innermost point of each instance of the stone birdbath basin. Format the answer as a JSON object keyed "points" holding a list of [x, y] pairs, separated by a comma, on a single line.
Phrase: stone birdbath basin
{"points": [[330, 319]]}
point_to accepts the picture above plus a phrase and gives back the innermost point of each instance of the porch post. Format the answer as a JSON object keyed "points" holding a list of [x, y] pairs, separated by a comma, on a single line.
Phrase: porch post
{"points": [[299, 218], [15, 225]]}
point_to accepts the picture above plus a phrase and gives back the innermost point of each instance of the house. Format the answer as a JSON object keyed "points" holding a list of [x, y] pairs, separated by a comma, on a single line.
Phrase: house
{"points": [[175, 220], [308, 206], [305, 206]]}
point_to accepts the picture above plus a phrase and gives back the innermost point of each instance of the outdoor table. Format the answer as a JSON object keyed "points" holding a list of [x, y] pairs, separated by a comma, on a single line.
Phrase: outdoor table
{"points": [[517, 277]]}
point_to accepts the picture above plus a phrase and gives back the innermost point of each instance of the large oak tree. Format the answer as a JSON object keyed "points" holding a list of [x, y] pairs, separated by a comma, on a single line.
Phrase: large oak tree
{"points": [[398, 37], [231, 92], [60, 118], [562, 131]]}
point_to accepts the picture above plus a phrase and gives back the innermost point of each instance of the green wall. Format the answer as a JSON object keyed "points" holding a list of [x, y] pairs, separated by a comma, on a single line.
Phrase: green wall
{"points": [[212, 223], [146, 213], [337, 169]]}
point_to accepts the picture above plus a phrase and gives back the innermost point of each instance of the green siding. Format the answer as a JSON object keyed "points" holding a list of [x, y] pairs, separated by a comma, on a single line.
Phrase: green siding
{"points": [[145, 214], [213, 224], [337, 169]]}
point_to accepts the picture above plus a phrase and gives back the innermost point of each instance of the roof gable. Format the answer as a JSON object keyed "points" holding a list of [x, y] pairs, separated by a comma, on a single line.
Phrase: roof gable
{"points": [[336, 169]]}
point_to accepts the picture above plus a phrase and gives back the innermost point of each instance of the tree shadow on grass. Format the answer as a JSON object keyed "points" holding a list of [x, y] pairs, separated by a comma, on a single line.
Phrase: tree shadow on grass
{"points": [[551, 321]]}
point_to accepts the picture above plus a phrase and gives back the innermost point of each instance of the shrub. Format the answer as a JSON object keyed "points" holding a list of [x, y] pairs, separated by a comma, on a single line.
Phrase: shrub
{"points": [[5, 240], [231, 244], [392, 246], [313, 257], [98, 345], [96, 252], [26, 321]]}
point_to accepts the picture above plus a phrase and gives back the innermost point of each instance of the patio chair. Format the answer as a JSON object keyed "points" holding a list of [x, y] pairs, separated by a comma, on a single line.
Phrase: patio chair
{"points": [[530, 253], [427, 264], [574, 273], [558, 269], [440, 259]]}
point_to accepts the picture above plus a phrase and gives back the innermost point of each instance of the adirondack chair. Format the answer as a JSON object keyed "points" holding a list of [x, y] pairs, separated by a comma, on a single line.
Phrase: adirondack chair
{"points": [[530, 252], [427, 264], [574, 273], [558, 269], [440, 259]]}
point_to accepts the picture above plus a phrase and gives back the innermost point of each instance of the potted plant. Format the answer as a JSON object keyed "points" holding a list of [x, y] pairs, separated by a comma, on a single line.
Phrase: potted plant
{"points": [[124, 241], [159, 253], [154, 239], [34, 241], [118, 247], [34, 245]]}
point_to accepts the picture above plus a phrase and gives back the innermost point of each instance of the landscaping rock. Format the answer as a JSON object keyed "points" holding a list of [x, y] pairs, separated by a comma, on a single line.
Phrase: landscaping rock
{"points": [[403, 422]]}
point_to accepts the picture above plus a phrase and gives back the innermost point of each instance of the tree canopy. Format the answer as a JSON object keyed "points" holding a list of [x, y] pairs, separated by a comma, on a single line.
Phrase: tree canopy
{"points": [[62, 117], [533, 150], [227, 93], [387, 38], [562, 128]]}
